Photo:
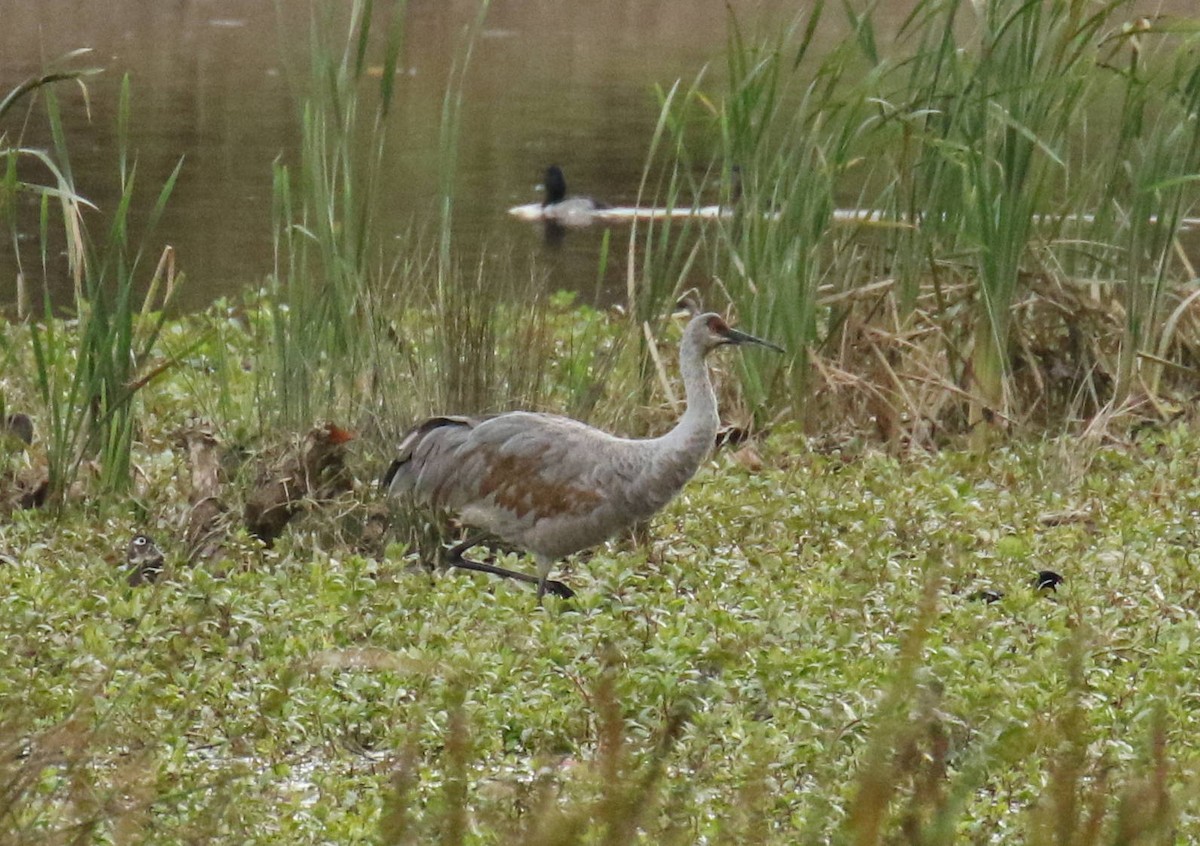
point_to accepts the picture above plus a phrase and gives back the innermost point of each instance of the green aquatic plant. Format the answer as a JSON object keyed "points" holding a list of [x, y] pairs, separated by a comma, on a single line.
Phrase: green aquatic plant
{"points": [[60, 190], [88, 378], [789, 654], [999, 110], [1155, 162], [326, 213], [360, 325], [1020, 172]]}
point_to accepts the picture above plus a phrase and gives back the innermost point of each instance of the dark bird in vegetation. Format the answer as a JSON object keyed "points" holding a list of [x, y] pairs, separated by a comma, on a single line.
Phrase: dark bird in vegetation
{"points": [[551, 485], [1046, 581], [19, 427], [145, 560], [315, 472], [23, 483], [561, 209]]}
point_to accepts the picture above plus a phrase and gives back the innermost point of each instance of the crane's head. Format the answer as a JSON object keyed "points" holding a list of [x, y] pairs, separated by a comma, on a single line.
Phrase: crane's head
{"points": [[712, 331]]}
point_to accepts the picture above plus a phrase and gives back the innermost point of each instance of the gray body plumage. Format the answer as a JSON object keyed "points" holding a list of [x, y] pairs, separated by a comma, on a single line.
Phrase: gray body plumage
{"points": [[552, 485]]}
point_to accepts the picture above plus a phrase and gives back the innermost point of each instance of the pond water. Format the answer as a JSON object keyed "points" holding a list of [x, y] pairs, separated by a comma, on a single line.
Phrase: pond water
{"points": [[214, 82]]}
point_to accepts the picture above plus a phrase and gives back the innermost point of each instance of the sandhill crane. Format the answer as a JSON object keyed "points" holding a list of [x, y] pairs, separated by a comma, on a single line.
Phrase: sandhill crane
{"points": [[553, 486]]}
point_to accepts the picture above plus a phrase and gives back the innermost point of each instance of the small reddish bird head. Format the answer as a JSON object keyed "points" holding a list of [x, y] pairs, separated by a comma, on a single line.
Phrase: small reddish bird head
{"points": [[337, 435]]}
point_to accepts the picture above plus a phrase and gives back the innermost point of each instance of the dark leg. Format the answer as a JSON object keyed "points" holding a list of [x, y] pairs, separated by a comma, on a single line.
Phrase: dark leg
{"points": [[455, 558]]}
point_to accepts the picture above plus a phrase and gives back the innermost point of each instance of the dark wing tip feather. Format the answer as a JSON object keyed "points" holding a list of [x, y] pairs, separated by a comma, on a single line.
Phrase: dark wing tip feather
{"points": [[414, 436], [386, 481]]}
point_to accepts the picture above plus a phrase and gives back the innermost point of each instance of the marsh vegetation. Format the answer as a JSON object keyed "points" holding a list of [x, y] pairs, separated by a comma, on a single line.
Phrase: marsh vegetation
{"points": [[990, 374]]}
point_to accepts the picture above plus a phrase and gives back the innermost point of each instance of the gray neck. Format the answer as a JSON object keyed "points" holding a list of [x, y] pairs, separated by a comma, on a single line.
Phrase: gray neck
{"points": [[693, 435]]}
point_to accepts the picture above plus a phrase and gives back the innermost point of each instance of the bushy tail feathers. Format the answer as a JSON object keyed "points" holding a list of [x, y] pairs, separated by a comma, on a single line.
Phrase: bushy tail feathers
{"points": [[422, 459]]}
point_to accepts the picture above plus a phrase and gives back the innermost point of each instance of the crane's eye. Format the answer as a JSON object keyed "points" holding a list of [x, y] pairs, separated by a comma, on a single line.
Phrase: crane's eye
{"points": [[717, 326]]}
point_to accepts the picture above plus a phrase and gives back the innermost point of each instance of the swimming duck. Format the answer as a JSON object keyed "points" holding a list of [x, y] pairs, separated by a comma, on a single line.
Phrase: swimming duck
{"points": [[564, 210]]}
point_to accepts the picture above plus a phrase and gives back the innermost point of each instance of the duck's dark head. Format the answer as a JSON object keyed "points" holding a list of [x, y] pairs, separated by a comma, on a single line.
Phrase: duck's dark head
{"points": [[555, 184], [1047, 580]]}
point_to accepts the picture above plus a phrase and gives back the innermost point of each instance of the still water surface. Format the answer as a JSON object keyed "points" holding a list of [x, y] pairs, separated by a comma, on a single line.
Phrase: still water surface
{"points": [[214, 82]]}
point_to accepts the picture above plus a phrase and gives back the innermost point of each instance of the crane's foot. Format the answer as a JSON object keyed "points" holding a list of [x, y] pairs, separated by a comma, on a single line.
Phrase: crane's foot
{"points": [[456, 558], [558, 589]]}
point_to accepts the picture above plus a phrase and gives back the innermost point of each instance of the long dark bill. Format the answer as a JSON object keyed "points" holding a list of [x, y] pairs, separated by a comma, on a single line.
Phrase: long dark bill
{"points": [[736, 336]]}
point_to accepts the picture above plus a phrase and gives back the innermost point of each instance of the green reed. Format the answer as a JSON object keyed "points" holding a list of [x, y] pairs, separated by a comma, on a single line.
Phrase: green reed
{"points": [[359, 325], [1154, 164], [662, 253], [985, 146], [326, 212], [791, 132], [997, 110], [59, 191], [88, 375]]}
